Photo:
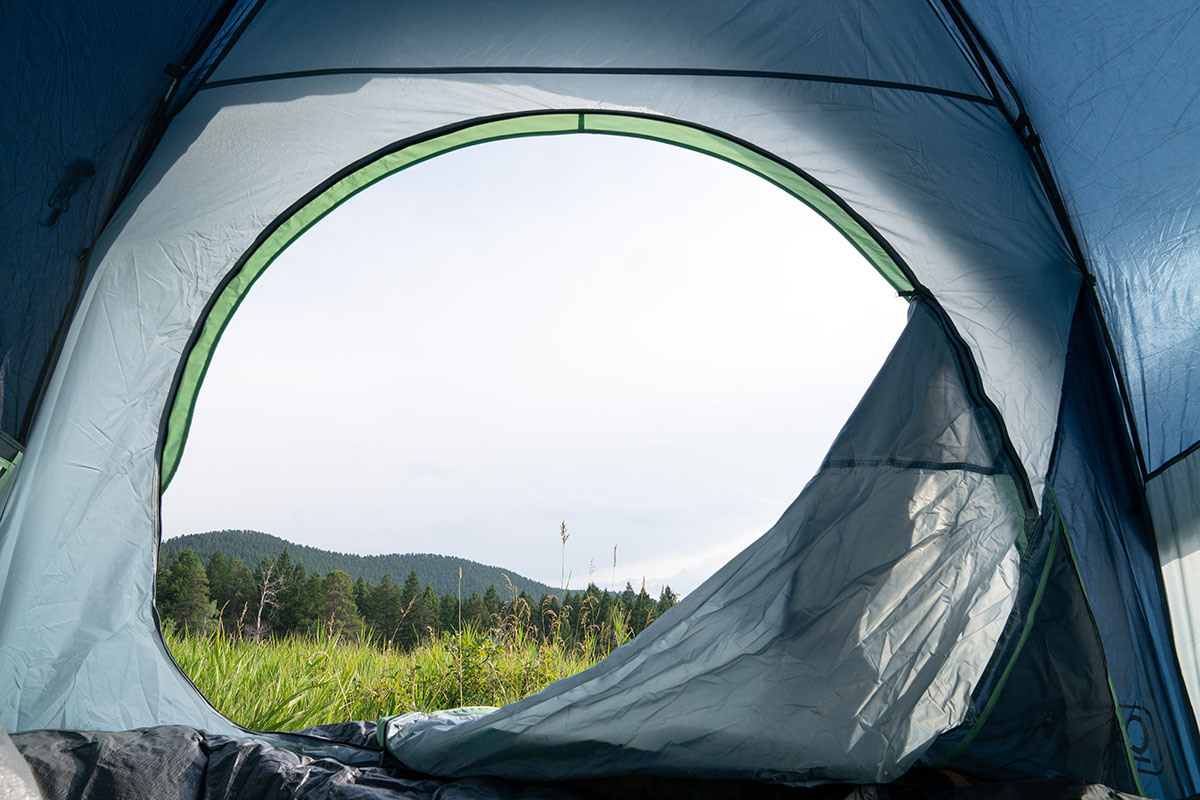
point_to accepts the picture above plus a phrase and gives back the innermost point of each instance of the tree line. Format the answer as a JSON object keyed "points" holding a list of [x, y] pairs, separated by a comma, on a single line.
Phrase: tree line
{"points": [[279, 597], [439, 570]]}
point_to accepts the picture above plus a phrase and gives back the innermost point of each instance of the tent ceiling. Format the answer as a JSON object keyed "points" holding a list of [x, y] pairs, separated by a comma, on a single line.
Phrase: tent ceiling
{"points": [[1112, 90], [66, 116]]}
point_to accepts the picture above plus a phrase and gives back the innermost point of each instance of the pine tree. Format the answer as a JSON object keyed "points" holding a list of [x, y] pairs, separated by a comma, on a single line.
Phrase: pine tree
{"points": [[628, 597], [240, 600], [231, 588], [360, 596], [643, 611], [426, 612], [184, 598], [309, 602], [666, 599], [338, 610], [383, 609], [473, 612], [294, 612], [448, 613], [491, 603], [217, 570]]}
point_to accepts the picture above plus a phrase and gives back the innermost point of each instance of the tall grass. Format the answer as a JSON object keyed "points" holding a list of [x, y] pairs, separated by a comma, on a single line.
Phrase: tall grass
{"points": [[298, 681]]}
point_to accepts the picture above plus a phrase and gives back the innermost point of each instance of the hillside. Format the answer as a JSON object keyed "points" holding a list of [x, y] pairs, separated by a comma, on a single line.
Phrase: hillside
{"points": [[439, 571]]}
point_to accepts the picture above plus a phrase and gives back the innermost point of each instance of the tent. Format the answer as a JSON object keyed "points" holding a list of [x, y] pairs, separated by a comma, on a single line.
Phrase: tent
{"points": [[988, 574]]}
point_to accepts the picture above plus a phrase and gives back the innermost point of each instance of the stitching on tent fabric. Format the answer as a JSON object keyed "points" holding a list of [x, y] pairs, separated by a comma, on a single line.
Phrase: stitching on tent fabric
{"points": [[662, 71]]}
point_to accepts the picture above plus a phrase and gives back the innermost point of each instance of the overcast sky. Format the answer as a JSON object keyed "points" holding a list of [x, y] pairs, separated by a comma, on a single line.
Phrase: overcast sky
{"points": [[651, 344]]}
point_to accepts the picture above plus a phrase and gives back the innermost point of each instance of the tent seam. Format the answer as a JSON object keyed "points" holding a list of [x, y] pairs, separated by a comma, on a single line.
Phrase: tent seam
{"points": [[1112, 689], [615, 71], [1026, 630]]}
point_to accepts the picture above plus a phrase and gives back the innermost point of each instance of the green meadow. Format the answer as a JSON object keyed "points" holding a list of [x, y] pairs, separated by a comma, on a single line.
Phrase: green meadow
{"points": [[297, 681], [279, 648], [300, 680]]}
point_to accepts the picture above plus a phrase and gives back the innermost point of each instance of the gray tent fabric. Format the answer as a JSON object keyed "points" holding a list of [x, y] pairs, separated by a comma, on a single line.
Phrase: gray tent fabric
{"points": [[1175, 504], [883, 67], [836, 647]]}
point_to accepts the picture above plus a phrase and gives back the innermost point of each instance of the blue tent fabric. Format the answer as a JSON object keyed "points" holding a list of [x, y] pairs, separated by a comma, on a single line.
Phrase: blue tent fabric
{"points": [[1111, 91], [941, 177], [1095, 480], [84, 79]]}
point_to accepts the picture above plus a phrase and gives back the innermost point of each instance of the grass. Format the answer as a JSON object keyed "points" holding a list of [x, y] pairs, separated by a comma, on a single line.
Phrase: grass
{"points": [[298, 681]]}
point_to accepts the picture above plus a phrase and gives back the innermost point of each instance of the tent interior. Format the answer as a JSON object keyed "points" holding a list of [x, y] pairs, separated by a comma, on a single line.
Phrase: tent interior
{"points": [[984, 587]]}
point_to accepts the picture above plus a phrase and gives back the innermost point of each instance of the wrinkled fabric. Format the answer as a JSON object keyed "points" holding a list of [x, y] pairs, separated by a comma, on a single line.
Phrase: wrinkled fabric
{"points": [[836, 647], [1111, 90], [1173, 497], [81, 81], [1119, 550], [933, 167], [184, 764]]}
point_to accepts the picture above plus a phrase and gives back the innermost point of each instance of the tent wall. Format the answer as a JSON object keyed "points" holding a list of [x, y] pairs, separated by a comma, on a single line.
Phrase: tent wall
{"points": [[932, 168], [70, 134], [1109, 90], [1044, 707], [238, 282], [1095, 480], [1173, 496], [836, 647], [875, 102]]}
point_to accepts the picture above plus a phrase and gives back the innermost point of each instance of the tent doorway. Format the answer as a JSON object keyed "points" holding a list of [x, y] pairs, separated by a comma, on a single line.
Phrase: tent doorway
{"points": [[650, 343]]}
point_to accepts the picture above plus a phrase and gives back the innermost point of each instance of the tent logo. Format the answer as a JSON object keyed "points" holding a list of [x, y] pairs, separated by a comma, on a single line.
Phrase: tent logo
{"points": [[1141, 730]]}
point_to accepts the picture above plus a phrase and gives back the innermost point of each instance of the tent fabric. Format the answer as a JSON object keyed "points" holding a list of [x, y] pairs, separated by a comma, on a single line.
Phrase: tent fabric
{"points": [[1118, 123], [1118, 120], [1095, 480], [237, 283], [180, 762], [1045, 706], [1174, 504], [70, 133], [997, 264], [1008, 515], [824, 651], [893, 171]]}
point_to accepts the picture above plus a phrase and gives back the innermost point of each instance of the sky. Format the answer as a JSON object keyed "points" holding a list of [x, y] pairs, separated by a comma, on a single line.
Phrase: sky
{"points": [[647, 343]]}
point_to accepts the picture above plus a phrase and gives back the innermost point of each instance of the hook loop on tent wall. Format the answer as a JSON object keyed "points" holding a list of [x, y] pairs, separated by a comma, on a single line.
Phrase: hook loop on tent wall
{"points": [[59, 203], [1024, 128]]}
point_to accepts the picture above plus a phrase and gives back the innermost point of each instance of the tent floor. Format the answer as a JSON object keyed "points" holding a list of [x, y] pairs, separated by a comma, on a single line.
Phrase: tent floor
{"points": [[180, 762]]}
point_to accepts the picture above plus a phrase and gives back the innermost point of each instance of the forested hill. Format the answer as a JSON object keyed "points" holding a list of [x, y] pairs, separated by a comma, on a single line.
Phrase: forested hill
{"points": [[439, 571]]}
